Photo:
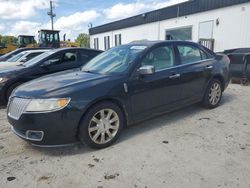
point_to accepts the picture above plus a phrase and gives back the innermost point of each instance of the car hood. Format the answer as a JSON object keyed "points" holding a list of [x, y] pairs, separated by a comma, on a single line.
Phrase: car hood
{"points": [[6, 67], [59, 84]]}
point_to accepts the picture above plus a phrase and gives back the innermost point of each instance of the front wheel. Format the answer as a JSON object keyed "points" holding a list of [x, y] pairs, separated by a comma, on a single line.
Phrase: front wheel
{"points": [[213, 94], [101, 125], [10, 90]]}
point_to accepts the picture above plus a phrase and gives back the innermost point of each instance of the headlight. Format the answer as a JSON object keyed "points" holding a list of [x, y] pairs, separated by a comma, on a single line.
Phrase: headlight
{"points": [[2, 80], [44, 105]]}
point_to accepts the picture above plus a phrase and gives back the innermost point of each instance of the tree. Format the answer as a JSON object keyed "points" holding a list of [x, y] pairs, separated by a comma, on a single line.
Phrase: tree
{"points": [[83, 39], [5, 40]]}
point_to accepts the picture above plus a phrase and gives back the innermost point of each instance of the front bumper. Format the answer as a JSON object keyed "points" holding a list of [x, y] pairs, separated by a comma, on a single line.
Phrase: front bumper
{"points": [[54, 128]]}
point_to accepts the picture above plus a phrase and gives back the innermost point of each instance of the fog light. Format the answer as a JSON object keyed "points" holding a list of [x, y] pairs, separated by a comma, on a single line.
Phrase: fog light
{"points": [[34, 135]]}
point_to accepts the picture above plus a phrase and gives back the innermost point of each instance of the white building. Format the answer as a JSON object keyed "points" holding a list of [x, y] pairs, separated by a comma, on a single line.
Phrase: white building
{"points": [[217, 24]]}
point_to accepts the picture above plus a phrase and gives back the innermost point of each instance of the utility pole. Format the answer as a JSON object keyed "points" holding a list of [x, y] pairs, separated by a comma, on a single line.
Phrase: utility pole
{"points": [[51, 14]]}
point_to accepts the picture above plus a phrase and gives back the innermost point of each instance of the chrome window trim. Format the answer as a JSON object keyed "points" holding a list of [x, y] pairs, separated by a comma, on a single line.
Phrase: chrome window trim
{"points": [[182, 65]]}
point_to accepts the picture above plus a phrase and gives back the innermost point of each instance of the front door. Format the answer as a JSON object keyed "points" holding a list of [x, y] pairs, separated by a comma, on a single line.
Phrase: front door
{"points": [[151, 94]]}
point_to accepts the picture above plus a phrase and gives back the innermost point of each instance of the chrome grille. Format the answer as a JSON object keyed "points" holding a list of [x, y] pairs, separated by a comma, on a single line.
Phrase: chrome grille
{"points": [[17, 107]]}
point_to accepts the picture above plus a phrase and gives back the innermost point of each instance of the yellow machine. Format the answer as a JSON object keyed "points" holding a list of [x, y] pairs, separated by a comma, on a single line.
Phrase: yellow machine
{"points": [[46, 38], [51, 38], [23, 41]]}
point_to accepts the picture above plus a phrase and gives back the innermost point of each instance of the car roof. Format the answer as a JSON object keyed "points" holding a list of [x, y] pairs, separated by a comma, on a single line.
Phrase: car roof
{"points": [[40, 48], [152, 43], [74, 48], [31, 51]]}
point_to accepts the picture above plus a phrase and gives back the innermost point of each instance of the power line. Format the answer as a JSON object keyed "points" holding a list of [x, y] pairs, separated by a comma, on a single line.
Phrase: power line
{"points": [[51, 14]]}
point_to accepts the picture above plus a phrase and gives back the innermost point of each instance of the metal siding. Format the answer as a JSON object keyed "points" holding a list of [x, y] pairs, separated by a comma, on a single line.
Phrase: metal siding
{"points": [[186, 8]]}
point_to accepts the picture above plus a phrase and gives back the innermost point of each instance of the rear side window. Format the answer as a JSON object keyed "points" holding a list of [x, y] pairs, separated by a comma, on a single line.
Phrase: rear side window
{"points": [[86, 55], [190, 54]]}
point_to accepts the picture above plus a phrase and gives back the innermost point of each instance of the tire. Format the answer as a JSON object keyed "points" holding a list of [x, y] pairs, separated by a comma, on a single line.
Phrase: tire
{"points": [[10, 90], [95, 129], [211, 98], [244, 81]]}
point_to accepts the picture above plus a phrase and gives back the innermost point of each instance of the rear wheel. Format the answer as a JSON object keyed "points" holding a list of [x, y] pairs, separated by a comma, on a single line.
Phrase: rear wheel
{"points": [[213, 94], [101, 125]]}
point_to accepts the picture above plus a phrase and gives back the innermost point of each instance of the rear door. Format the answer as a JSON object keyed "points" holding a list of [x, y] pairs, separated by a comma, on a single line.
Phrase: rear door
{"points": [[196, 70]]}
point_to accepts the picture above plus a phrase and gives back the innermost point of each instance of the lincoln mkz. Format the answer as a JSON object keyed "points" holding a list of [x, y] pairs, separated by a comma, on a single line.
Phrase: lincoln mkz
{"points": [[119, 87]]}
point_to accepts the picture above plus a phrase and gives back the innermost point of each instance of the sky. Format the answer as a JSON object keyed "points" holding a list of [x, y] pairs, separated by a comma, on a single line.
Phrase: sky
{"points": [[72, 16]]}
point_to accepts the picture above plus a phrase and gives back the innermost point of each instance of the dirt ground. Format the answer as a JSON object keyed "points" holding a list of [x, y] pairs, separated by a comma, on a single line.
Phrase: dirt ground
{"points": [[192, 148]]}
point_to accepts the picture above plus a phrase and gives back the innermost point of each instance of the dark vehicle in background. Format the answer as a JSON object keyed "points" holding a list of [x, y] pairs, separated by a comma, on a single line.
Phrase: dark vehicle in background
{"points": [[121, 86], [240, 64], [9, 55], [14, 74]]}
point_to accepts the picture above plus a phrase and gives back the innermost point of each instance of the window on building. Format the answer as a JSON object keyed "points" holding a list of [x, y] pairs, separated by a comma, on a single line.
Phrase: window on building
{"points": [[106, 43], [118, 40], [96, 43], [179, 34]]}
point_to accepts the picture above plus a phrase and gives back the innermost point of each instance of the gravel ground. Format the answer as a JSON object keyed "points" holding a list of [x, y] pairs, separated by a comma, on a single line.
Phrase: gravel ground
{"points": [[192, 147]]}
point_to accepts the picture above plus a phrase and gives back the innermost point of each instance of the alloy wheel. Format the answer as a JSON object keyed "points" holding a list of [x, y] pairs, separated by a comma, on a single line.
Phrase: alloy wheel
{"points": [[103, 126], [215, 93]]}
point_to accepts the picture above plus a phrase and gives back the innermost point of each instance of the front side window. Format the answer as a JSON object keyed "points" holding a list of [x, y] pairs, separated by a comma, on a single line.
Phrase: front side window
{"points": [[69, 57], [189, 54], [63, 58], [36, 60], [114, 61], [161, 58]]}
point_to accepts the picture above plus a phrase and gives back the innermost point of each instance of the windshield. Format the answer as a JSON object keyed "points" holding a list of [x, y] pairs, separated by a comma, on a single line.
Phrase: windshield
{"points": [[114, 61], [38, 58], [10, 54], [15, 58]]}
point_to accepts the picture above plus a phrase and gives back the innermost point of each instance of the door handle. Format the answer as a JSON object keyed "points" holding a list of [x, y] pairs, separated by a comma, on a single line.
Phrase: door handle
{"points": [[209, 67], [174, 76]]}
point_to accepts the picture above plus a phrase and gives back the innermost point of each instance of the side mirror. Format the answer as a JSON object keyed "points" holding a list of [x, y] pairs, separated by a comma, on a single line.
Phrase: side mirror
{"points": [[146, 70], [24, 60], [50, 62]]}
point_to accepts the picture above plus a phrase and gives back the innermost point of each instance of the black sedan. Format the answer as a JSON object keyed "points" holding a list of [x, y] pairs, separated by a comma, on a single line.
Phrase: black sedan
{"points": [[15, 74], [121, 86]]}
